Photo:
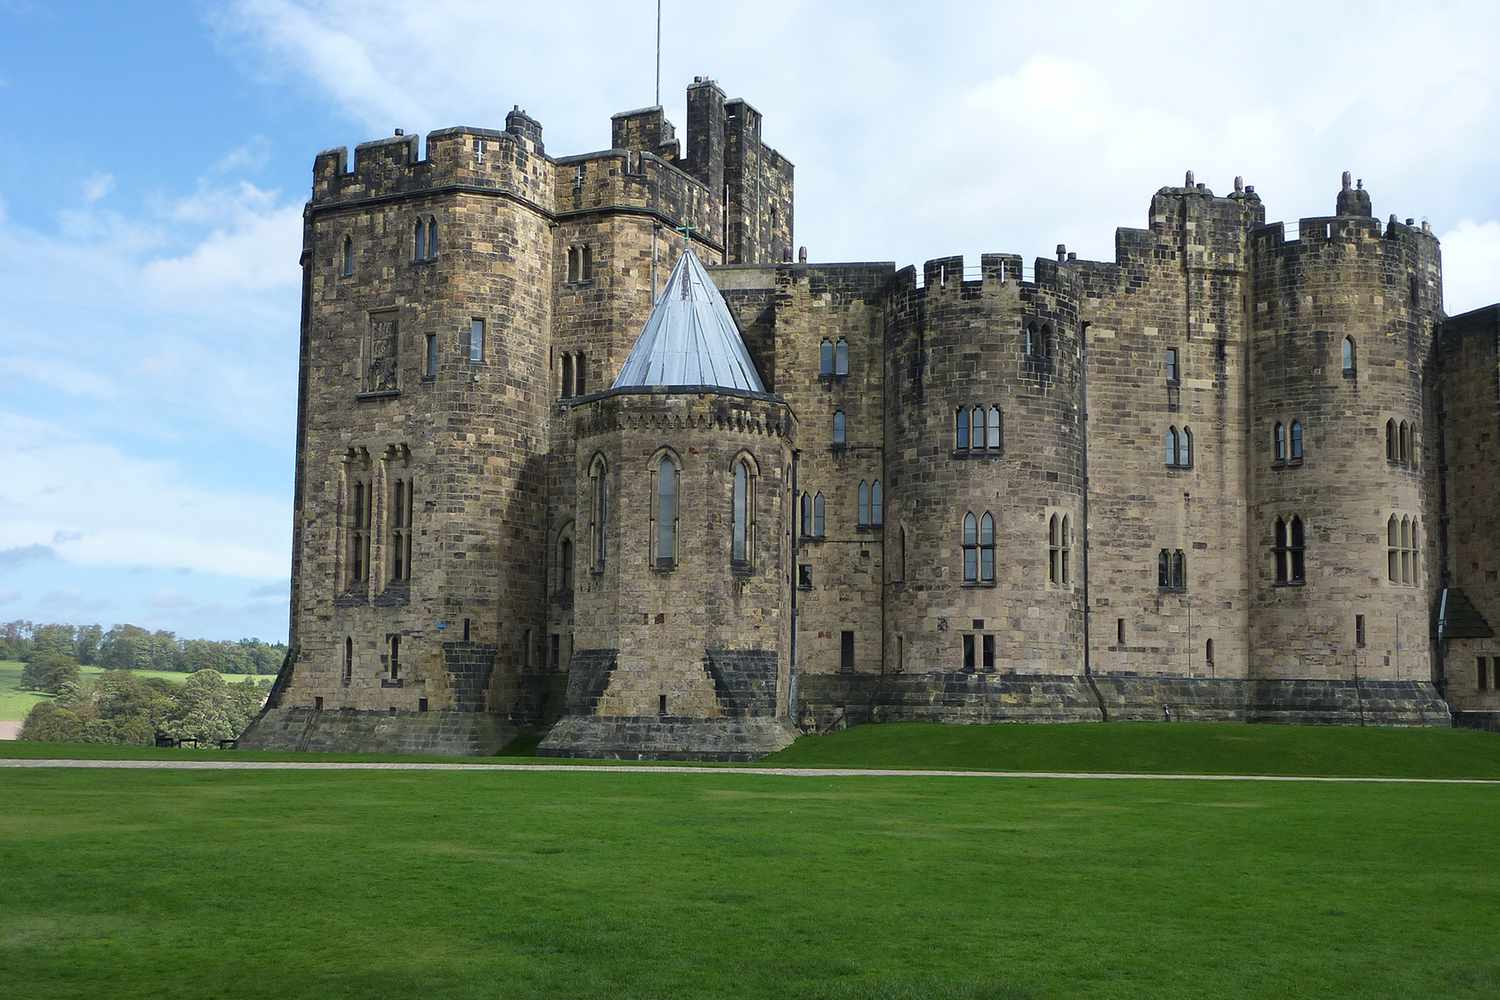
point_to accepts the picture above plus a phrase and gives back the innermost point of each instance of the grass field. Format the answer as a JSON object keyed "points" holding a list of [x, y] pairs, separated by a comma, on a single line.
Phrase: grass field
{"points": [[15, 703], [621, 886]]}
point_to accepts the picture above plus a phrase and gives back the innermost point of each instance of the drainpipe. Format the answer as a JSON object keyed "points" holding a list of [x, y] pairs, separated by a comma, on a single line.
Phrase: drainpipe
{"points": [[792, 577], [1088, 611]]}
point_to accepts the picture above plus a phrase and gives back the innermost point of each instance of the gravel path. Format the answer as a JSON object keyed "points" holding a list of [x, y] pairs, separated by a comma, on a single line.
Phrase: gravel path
{"points": [[9, 730], [791, 772]]}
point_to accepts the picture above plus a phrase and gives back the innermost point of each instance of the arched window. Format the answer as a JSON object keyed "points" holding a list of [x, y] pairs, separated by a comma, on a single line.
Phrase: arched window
{"points": [[665, 514], [579, 366], [567, 374], [841, 357], [1179, 570], [1393, 550], [806, 516], [346, 265], [1296, 550], [1391, 454], [348, 660], [840, 433], [825, 357], [419, 241], [1405, 432], [359, 555], [1406, 550], [1349, 358], [1278, 441], [1416, 554], [1208, 652], [743, 514], [1185, 449], [1278, 543], [1029, 337], [993, 433], [1054, 550], [1296, 440], [818, 510], [976, 428], [565, 565], [971, 548], [961, 429], [599, 511], [987, 549], [877, 504], [400, 530], [1164, 570], [864, 503], [1170, 446], [432, 240], [1067, 550]]}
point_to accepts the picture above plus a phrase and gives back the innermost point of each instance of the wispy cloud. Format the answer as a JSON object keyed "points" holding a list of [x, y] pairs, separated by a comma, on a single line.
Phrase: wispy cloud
{"points": [[20, 555], [247, 158], [96, 187]]}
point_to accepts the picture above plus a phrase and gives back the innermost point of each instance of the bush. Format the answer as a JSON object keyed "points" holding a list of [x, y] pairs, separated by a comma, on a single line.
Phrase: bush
{"points": [[48, 672], [52, 723]]}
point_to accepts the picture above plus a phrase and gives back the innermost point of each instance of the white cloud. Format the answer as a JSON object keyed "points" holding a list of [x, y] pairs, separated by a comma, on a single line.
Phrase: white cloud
{"points": [[97, 186], [247, 158], [155, 514], [1471, 265], [64, 377]]}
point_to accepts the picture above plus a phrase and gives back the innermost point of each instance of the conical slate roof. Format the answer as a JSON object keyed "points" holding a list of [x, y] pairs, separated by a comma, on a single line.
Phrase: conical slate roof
{"points": [[690, 338]]}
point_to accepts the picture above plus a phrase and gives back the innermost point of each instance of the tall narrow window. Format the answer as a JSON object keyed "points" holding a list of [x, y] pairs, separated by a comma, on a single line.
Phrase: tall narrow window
{"points": [[841, 357], [976, 428], [432, 356], [1483, 672], [565, 565], [806, 516], [971, 548], [1391, 454], [666, 512], [839, 431], [1278, 541], [1185, 449], [1029, 341], [476, 342], [901, 562], [573, 258], [346, 265], [1349, 358], [864, 504], [987, 549], [740, 553], [1179, 570], [348, 660], [968, 652], [1164, 570], [419, 241], [599, 512], [1405, 443], [1278, 441], [992, 434], [988, 649], [961, 429], [1067, 550], [567, 374], [818, 512], [1296, 549], [1359, 631], [1208, 652], [588, 263], [395, 657], [397, 519], [1170, 445], [846, 652], [432, 240], [1173, 376], [1405, 550], [1416, 553], [580, 365], [1393, 550], [825, 357], [1296, 440], [1054, 550], [877, 504], [359, 556]]}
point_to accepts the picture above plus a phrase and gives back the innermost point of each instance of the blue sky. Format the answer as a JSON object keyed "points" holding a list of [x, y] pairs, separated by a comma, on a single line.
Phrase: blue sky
{"points": [[159, 155]]}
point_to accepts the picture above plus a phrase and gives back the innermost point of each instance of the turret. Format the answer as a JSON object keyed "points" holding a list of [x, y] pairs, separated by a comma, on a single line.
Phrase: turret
{"points": [[1353, 201]]}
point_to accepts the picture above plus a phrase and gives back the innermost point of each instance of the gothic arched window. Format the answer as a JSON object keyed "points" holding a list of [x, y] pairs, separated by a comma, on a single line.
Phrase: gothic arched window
{"points": [[1278, 441], [1391, 454], [877, 505], [419, 241], [976, 428], [987, 549], [432, 238], [864, 503], [841, 357], [971, 548], [840, 431], [744, 514], [818, 519], [598, 511], [1349, 357], [993, 433], [665, 516], [1170, 445], [346, 266], [825, 357], [961, 429], [1296, 440]]}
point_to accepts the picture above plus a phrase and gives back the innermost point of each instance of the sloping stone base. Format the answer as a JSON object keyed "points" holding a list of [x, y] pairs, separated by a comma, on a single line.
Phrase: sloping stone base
{"points": [[665, 738], [1488, 721], [464, 734], [830, 700]]}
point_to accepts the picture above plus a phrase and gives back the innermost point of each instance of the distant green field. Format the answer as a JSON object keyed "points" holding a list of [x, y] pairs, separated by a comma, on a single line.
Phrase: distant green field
{"points": [[15, 703], [620, 886]]}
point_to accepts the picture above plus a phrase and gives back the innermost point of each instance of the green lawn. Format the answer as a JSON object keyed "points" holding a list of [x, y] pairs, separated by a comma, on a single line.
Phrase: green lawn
{"points": [[1157, 748], [598, 886], [15, 703]]}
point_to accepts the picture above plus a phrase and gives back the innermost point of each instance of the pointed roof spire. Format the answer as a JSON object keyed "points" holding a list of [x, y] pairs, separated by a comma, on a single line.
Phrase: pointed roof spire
{"points": [[690, 339]]}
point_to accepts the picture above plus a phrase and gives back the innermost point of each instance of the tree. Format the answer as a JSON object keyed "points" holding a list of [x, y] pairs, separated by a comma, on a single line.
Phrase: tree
{"points": [[89, 639], [49, 672], [53, 723], [202, 710], [53, 639]]}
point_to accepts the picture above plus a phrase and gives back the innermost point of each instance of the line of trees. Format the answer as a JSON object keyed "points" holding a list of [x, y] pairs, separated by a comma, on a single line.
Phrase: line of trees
{"points": [[130, 647], [122, 707]]}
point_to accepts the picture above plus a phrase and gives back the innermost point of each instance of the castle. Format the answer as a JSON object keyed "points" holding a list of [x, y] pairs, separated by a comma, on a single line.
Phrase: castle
{"points": [[580, 447]]}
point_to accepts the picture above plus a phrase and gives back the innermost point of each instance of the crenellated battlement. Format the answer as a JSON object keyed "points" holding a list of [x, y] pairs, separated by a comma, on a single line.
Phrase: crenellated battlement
{"points": [[951, 276], [461, 156]]}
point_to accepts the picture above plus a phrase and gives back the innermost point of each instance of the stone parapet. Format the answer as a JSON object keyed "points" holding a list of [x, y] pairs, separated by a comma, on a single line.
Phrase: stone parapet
{"points": [[827, 701], [649, 737], [463, 734]]}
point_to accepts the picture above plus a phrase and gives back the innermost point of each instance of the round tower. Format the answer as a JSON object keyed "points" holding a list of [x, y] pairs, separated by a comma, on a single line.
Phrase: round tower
{"points": [[682, 617], [1341, 514], [984, 457]]}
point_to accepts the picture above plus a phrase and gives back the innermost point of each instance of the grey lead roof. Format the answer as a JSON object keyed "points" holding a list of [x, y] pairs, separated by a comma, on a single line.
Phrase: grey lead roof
{"points": [[690, 339]]}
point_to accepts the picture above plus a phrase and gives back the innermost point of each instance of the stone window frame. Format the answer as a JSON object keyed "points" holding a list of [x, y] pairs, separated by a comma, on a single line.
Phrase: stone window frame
{"points": [[1059, 550], [871, 505], [431, 357], [841, 358], [1179, 447], [348, 673], [656, 559], [1401, 446], [826, 359], [746, 462], [598, 513], [1349, 357], [1289, 549], [1403, 550], [481, 325], [564, 559], [1038, 344], [572, 373], [977, 544], [346, 256], [840, 429], [424, 240], [820, 515], [580, 264], [399, 528], [978, 431], [1173, 366], [356, 521], [1171, 571]]}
